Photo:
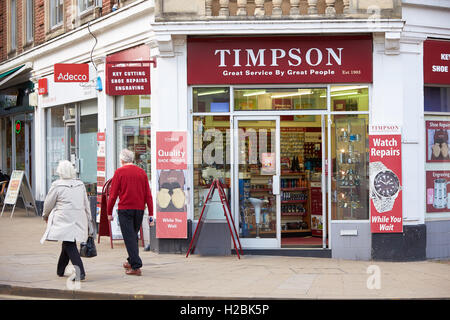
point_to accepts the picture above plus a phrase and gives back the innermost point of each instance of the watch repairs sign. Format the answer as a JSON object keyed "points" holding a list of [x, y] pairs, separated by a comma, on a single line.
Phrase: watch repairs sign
{"points": [[385, 179]]}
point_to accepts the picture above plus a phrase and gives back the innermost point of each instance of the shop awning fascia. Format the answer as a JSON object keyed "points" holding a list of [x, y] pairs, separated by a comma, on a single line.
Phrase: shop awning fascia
{"points": [[5, 77]]}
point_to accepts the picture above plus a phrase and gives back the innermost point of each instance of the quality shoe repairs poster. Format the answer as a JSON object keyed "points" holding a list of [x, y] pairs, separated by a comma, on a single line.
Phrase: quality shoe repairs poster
{"points": [[385, 179], [171, 167]]}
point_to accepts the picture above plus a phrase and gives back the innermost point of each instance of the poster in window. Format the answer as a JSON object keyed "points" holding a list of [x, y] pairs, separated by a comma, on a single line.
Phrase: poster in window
{"points": [[437, 133], [438, 191]]}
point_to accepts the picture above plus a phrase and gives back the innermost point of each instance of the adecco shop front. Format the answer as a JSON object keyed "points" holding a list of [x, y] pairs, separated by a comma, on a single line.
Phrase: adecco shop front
{"points": [[283, 123]]}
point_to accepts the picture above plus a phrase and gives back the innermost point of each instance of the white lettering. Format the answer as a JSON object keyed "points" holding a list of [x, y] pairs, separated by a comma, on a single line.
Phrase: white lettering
{"points": [[308, 57], [334, 55], [222, 56], [251, 55], [275, 56], [295, 57]]}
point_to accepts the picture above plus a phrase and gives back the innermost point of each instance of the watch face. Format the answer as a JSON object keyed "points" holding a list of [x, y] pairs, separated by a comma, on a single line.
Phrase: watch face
{"points": [[386, 183]]}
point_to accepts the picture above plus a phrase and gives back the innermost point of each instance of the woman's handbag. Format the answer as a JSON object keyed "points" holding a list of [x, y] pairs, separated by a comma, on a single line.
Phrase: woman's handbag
{"points": [[87, 249]]}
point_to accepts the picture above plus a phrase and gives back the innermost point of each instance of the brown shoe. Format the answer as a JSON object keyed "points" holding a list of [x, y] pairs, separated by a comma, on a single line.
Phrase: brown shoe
{"points": [[133, 272], [126, 265]]}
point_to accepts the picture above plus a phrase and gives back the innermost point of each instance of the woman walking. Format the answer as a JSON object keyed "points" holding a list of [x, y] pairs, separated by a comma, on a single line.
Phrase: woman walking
{"points": [[68, 216]]}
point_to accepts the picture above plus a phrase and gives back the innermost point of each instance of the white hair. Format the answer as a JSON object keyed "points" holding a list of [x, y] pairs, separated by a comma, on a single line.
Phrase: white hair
{"points": [[126, 156], [66, 170]]}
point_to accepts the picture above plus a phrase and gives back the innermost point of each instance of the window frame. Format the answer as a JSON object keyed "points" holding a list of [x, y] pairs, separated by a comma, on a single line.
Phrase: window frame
{"points": [[55, 21], [12, 34]]}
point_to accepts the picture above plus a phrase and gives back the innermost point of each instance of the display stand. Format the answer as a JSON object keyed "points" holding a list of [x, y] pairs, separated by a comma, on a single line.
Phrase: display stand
{"points": [[216, 185], [19, 185], [104, 228]]}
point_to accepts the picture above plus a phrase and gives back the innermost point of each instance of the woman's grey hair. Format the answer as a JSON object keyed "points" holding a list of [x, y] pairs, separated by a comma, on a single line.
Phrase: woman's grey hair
{"points": [[127, 156], [66, 170]]}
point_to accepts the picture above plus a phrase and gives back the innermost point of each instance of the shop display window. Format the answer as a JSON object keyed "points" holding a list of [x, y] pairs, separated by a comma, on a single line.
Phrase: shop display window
{"points": [[133, 129], [280, 99], [437, 99], [349, 98], [211, 99], [350, 153], [211, 151], [55, 142]]}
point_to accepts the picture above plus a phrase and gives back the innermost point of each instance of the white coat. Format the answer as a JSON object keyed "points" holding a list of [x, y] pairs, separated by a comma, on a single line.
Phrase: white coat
{"points": [[68, 211]]}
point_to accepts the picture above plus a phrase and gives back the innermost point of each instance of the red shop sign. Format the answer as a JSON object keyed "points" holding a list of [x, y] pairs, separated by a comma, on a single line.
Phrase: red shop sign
{"points": [[64, 72], [127, 80], [385, 179], [289, 59], [43, 86], [436, 62]]}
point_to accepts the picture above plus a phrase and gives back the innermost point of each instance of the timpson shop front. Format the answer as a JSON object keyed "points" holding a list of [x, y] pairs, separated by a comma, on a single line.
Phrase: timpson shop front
{"points": [[283, 122]]}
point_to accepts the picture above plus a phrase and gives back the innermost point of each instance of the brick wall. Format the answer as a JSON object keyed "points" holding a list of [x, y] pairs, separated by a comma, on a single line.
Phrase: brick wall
{"points": [[2, 30], [40, 32]]}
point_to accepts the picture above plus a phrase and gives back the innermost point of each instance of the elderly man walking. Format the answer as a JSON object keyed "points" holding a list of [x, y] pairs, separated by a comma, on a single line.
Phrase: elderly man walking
{"points": [[130, 185]]}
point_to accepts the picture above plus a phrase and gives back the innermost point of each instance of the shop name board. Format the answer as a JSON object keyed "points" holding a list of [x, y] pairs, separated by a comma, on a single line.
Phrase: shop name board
{"points": [[64, 72], [127, 80], [242, 60], [436, 61]]}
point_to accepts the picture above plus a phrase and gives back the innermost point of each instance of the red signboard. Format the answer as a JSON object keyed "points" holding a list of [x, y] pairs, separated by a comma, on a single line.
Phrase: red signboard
{"points": [[385, 179], [438, 134], [171, 225], [171, 150], [438, 191], [127, 80], [436, 62], [43, 86], [289, 59], [71, 72]]}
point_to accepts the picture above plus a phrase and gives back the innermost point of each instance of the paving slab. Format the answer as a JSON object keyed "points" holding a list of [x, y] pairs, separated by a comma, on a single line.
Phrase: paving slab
{"points": [[27, 265]]}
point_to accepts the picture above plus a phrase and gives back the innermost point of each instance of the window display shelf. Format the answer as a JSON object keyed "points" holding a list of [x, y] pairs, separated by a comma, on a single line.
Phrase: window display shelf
{"points": [[295, 230], [295, 189], [294, 201], [296, 214]]}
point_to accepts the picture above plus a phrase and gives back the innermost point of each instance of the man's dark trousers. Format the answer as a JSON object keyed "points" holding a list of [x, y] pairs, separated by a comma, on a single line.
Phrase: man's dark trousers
{"points": [[130, 224]]}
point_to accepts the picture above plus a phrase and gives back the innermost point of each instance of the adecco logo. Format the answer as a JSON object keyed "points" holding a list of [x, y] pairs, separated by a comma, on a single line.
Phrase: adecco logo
{"points": [[71, 72]]}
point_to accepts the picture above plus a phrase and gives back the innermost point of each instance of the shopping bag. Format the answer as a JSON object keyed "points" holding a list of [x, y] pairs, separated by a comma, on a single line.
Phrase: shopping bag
{"points": [[88, 249]]}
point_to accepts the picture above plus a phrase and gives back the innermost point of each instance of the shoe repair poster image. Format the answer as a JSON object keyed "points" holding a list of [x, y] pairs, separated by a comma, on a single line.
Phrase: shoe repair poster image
{"points": [[171, 196], [385, 179], [438, 133]]}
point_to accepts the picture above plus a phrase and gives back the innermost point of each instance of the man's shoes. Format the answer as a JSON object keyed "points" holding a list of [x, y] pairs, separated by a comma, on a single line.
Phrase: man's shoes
{"points": [[126, 265], [133, 272]]}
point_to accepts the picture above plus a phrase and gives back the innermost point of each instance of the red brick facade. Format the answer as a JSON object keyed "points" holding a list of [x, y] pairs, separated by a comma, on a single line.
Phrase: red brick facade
{"points": [[40, 33]]}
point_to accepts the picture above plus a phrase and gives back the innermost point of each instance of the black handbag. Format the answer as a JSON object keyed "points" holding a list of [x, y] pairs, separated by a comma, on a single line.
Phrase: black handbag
{"points": [[88, 249]]}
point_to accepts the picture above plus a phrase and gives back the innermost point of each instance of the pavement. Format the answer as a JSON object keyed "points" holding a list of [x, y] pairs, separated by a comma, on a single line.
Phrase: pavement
{"points": [[28, 269]]}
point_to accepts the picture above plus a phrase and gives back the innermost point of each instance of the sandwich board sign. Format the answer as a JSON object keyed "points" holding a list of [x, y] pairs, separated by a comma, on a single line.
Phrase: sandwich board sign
{"points": [[19, 185]]}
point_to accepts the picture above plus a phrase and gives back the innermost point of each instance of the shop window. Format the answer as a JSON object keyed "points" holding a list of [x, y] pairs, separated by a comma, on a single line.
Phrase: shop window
{"points": [[349, 98], [211, 160], [350, 167], [437, 99], [55, 142], [88, 143], [211, 99], [133, 129], [280, 99]]}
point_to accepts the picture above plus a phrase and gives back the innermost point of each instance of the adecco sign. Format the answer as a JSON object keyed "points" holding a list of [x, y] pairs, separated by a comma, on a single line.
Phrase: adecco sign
{"points": [[71, 72]]}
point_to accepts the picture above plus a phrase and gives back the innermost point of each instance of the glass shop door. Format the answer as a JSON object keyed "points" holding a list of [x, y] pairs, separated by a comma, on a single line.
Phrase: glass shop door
{"points": [[257, 180]]}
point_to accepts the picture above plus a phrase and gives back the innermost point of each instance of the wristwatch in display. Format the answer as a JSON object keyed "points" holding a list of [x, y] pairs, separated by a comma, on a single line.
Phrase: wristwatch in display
{"points": [[384, 186]]}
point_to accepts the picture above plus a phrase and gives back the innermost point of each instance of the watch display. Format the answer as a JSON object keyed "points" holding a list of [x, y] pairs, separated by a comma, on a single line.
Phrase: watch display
{"points": [[386, 183]]}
